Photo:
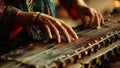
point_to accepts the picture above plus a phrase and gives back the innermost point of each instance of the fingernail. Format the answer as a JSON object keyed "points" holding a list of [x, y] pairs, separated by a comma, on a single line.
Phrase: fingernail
{"points": [[51, 37], [98, 27], [76, 37], [69, 41], [59, 41]]}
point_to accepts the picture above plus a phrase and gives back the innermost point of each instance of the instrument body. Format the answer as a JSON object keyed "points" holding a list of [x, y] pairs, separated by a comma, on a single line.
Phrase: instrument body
{"points": [[91, 49]]}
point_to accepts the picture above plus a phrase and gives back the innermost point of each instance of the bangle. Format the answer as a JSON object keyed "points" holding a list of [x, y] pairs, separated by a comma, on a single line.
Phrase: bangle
{"points": [[33, 18]]}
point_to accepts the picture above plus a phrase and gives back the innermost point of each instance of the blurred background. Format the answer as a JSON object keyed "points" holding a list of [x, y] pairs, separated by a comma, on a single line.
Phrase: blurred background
{"points": [[105, 7]]}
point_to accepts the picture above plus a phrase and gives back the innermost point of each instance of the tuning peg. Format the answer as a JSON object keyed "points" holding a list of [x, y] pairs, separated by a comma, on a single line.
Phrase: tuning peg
{"points": [[86, 52], [101, 38], [89, 44], [111, 33], [76, 51], [107, 35], [92, 49], [31, 45], [99, 46], [116, 31], [68, 55], [93, 62], [95, 41], [80, 56], [8, 58], [3, 58], [60, 63], [75, 58]]}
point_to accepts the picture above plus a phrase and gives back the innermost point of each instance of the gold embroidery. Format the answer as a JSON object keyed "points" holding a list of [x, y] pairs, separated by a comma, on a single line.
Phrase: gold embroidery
{"points": [[30, 4], [51, 0]]}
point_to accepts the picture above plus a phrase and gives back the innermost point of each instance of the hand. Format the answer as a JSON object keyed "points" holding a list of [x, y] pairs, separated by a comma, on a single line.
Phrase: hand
{"points": [[78, 9], [50, 24], [95, 19], [56, 26]]}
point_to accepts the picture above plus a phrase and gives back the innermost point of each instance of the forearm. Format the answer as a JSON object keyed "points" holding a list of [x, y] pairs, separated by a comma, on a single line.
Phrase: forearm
{"points": [[12, 20], [26, 18]]}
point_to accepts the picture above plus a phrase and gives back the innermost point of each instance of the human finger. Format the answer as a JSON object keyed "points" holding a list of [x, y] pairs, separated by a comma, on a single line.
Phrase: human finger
{"points": [[96, 22], [70, 30], [48, 31], [55, 31], [62, 29], [92, 15], [102, 19], [83, 21], [65, 33]]}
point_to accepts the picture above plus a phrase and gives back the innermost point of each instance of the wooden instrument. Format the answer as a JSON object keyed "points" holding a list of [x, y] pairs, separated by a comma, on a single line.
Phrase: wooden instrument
{"points": [[91, 49]]}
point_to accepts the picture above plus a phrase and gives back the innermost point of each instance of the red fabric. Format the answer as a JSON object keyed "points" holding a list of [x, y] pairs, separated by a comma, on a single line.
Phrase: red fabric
{"points": [[17, 29], [74, 14]]}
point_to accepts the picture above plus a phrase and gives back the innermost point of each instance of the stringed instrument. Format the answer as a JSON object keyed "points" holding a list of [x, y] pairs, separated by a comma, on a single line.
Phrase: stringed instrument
{"points": [[93, 48]]}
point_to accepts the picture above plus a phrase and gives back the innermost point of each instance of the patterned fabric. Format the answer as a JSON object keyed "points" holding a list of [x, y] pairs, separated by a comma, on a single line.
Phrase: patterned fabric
{"points": [[7, 16], [44, 6]]}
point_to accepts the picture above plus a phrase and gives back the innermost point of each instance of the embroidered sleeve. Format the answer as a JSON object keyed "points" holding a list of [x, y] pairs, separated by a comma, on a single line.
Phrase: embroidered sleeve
{"points": [[7, 16]]}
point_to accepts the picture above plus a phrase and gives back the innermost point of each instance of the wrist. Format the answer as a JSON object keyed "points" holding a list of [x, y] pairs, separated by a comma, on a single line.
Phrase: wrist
{"points": [[26, 18], [33, 18]]}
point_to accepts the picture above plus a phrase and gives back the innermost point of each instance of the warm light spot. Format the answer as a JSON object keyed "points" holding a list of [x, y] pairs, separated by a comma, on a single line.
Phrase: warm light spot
{"points": [[117, 3]]}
